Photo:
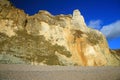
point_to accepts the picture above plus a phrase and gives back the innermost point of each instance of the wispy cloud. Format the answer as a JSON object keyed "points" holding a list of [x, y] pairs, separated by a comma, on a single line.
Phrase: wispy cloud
{"points": [[95, 24], [112, 30]]}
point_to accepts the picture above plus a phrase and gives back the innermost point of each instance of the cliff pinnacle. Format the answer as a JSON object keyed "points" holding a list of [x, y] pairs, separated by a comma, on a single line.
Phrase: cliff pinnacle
{"points": [[78, 21]]}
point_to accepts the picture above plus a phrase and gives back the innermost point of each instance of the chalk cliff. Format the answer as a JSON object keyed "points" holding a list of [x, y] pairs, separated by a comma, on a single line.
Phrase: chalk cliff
{"points": [[45, 39]]}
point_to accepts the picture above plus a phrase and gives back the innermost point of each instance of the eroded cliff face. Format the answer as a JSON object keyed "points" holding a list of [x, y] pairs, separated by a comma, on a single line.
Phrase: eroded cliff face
{"points": [[44, 39]]}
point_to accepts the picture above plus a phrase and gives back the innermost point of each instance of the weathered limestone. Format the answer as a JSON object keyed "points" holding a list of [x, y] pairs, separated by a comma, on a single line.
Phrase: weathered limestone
{"points": [[44, 39], [78, 21]]}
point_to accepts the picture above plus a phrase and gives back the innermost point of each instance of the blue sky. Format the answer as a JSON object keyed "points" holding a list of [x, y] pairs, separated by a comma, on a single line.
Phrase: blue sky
{"points": [[103, 15]]}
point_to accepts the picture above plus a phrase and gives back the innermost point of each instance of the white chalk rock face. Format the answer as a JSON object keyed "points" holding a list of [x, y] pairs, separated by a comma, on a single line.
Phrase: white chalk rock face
{"points": [[78, 21], [6, 27]]}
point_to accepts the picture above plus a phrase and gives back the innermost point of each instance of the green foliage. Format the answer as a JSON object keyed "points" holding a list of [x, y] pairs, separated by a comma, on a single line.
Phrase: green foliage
{"points": [[94, 38], [32, 48]]}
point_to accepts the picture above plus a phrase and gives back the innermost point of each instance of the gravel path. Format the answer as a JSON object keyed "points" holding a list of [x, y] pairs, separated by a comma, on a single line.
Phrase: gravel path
{"points": [[27, 72]]}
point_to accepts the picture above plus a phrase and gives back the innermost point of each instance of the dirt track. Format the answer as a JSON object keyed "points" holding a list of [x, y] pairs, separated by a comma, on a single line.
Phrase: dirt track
{"points": [[27, 72]]}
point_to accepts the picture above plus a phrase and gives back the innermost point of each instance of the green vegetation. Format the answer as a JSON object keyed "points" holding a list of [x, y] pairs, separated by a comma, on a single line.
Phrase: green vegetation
{"points": [[78, 33], [31, 48], [93, 37]]}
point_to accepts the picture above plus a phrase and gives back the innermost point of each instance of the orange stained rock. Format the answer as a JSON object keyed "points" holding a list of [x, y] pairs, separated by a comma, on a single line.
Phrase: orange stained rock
{"points": [[76, 46]]}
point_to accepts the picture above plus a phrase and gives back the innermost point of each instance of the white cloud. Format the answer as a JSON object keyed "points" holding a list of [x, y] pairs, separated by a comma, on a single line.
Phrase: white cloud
{"points": [[95, 24], [112, 30]]}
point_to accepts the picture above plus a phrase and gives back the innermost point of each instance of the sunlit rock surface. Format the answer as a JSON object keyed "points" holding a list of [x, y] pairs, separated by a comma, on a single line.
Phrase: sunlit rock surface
{"points": [[44, 39]]}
